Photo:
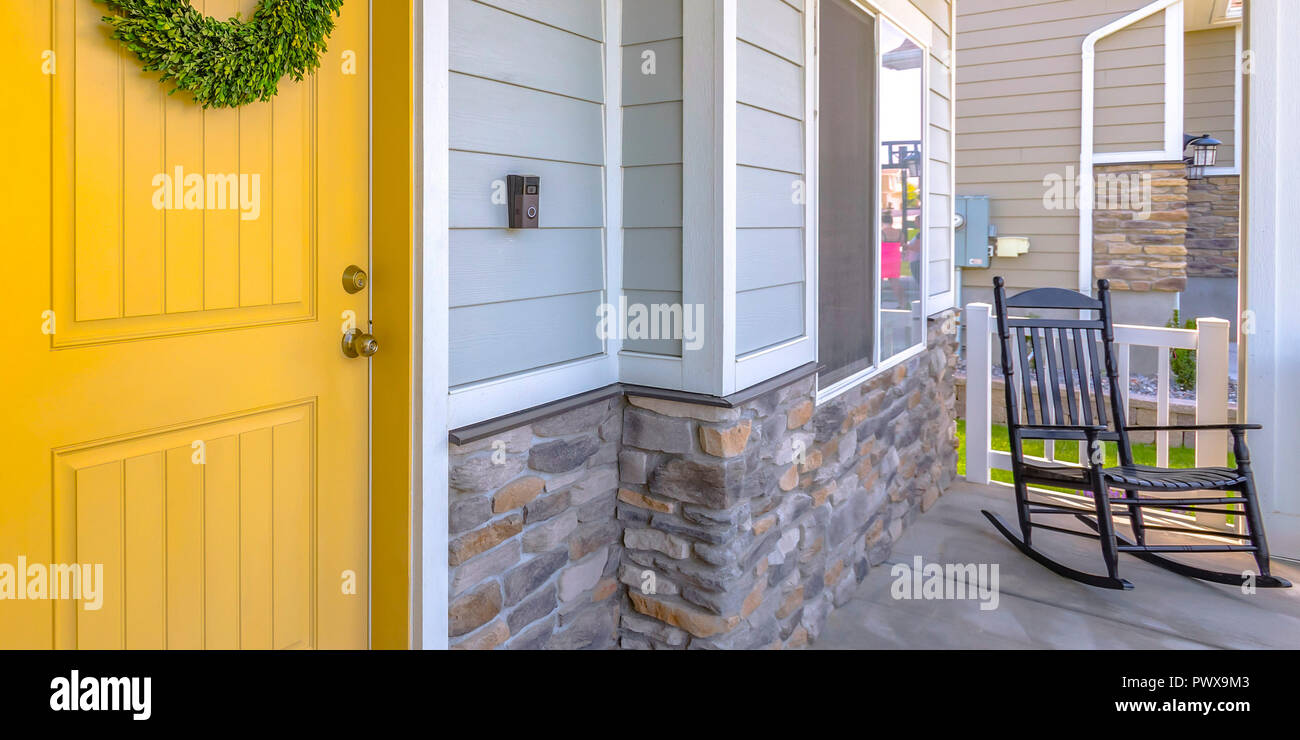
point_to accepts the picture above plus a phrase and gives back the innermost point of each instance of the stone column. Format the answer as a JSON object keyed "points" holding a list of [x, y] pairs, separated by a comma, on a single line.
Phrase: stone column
{"points": [[1214, 219], [744, 527]]}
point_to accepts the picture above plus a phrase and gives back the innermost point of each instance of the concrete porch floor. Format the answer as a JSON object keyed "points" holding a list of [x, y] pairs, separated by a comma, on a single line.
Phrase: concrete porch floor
{"points": [[1038, 609]]}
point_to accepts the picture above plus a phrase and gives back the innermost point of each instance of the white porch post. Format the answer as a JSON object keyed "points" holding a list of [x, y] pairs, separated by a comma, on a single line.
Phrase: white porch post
{"points": [[1212, 390], [979, 391], [429, 531], [1271, 265]]}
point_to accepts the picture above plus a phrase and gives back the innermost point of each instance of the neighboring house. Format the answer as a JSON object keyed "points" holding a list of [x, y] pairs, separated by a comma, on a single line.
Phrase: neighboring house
{"points": [[1053, 91], [1022, 96]]}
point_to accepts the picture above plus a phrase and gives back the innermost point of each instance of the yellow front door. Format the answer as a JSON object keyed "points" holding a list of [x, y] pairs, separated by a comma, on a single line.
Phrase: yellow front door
{"points": [[177, 407]]}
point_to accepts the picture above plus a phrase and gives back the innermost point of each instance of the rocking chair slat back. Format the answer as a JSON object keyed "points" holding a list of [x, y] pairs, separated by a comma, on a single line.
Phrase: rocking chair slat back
{"points": [[1053, 369], [1024, 377], [1084, 401]]}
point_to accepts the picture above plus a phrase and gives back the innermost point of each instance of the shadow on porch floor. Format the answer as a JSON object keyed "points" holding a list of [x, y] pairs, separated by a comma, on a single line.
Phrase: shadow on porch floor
{"points": [[1038, 609]]}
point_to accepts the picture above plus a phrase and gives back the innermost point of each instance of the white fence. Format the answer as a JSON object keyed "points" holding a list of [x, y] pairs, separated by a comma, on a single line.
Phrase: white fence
{"points": [[1209, 339]]}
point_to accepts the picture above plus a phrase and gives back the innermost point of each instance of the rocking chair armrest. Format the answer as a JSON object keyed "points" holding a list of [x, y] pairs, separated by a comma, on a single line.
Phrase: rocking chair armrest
{"points": [[1085, 428], [1087, 432], [1194, 427]]}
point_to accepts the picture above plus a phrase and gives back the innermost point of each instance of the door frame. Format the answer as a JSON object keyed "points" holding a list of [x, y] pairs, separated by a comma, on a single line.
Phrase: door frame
{"points": [[410, 217], [394, 430]]}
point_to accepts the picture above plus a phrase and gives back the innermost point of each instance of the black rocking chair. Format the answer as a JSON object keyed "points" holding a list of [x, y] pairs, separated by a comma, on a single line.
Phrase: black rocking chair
{"points": [[1062, 354]]}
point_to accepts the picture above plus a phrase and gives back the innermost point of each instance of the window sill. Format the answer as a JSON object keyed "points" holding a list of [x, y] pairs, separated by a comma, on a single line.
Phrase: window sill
{"points": [[853, 381]]}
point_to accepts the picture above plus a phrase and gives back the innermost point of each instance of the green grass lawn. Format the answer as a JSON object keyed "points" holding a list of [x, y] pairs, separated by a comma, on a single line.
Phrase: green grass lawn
{"points": [[1143, 454]]}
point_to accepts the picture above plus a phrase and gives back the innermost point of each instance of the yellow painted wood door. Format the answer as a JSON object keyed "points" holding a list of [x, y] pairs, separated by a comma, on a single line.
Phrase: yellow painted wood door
{"points": [[177, 407]]}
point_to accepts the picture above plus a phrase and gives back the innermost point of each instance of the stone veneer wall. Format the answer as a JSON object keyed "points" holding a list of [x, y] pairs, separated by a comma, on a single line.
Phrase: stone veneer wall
{"points": [[1142, 254], [535, 544], [1214, 214], [744, 527], [643, 523]]}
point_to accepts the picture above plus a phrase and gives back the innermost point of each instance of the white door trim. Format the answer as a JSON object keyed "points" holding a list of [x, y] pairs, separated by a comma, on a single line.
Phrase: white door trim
{"points": [[429, 598]]}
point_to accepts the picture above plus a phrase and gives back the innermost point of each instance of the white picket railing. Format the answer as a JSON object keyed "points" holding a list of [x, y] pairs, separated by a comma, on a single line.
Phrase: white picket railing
{"points": [[1209, 339]]}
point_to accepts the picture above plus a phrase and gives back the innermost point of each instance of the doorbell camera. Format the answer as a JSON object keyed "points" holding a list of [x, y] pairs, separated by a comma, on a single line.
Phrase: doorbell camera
{"points": [[525, 197]]}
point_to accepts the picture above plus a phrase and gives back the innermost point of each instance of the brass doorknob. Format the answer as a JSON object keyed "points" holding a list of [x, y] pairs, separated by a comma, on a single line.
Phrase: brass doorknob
{"points": [[357, 343]]}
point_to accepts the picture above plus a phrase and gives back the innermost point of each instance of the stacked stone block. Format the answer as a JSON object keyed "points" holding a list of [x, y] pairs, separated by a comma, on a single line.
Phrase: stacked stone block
{"points": [[1134, 252], [744, 527], [1214, 215], [535, 543]]}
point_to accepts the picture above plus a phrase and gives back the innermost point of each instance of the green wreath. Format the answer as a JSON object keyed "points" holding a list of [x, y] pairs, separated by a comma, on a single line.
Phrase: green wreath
{"points": [[225, 64]]}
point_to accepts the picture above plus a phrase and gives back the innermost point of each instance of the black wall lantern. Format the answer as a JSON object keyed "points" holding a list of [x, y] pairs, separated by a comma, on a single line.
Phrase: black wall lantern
{"points": [[913, 161], [1204, 152]]}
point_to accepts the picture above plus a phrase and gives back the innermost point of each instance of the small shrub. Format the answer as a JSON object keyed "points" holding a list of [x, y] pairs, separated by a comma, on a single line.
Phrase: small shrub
{"points": [[1182, 362]]}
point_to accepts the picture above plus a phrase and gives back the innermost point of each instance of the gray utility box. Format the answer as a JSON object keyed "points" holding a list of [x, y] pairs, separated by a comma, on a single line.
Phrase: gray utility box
{"points": [[973, 234]]}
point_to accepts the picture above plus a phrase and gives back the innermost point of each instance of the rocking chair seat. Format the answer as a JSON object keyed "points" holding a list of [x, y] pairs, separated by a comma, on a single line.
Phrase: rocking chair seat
{"points": [[1142, 477]]}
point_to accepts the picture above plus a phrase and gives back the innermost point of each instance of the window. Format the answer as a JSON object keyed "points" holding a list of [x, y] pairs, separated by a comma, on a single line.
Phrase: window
{"points": [[901, 224], [871, 243]]}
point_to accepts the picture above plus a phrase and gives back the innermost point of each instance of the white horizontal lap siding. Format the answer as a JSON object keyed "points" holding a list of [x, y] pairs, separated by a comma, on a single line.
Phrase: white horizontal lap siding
{"points": [[652, 161], [527, 91], [1019, 78], [770, 174], [1209, 102], [939, 183]]}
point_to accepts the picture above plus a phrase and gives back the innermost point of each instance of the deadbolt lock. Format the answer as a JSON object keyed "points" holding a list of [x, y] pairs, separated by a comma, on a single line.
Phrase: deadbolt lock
{"points": [[357, 343], [355, 279]]}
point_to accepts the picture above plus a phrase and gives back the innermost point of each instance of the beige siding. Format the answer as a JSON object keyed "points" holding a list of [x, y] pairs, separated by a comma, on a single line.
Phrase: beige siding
{"points": [[1018, 92], [1130, 97], [1208, 95]]}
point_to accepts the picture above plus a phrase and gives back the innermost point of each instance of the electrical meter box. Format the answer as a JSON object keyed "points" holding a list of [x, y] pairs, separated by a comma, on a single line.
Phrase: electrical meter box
{"points": [[972, 231]]}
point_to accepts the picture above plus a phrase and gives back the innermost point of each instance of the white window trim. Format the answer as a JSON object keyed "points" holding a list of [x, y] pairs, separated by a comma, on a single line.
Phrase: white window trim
{"points": [[480, 401], [1173, 121], [768, 362], [878, 11], [709, 190], [948, 299], [853, 381], [1174, 82]]}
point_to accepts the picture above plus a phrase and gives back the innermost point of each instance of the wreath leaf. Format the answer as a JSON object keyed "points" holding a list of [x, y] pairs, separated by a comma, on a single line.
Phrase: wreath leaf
{"points": [[225, 64]]}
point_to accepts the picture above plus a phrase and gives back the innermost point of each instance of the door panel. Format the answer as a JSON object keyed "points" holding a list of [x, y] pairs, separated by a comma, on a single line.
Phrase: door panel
{"points": [[179, 410], [182, 219], [175, 515]]}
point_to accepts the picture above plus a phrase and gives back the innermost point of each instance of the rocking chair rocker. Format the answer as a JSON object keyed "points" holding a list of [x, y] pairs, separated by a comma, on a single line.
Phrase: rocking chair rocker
{"points": [[1063, 352]]}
